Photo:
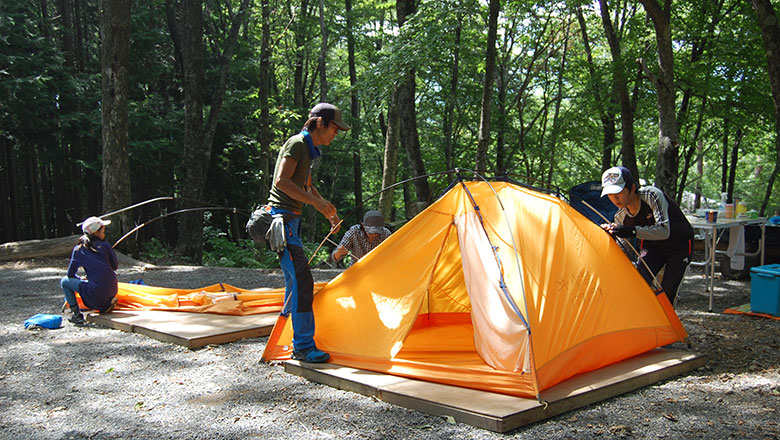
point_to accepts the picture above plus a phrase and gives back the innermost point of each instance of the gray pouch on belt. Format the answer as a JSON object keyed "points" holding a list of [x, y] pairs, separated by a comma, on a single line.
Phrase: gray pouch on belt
{"points": [[258, 224], [260, 221]]}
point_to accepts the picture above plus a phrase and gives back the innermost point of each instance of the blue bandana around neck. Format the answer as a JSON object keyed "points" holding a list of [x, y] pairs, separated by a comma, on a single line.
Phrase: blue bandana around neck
{"points": [[314, 152]]}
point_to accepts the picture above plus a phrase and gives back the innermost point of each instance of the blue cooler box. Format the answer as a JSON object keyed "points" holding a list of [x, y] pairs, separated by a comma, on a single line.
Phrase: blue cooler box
{"points": [[765, 289]]}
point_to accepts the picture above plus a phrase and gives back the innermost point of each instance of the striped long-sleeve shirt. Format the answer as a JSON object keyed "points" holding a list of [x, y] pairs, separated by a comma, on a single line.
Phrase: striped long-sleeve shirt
{"points": [[659, 222]]}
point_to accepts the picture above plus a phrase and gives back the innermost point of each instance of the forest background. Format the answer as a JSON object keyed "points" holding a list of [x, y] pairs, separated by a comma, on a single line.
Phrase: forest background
{"points": [[108, 104]]}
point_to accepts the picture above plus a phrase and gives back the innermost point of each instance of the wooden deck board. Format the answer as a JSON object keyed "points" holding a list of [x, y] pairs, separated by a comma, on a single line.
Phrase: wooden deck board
{"points": [[191, 330], [500, 412]]}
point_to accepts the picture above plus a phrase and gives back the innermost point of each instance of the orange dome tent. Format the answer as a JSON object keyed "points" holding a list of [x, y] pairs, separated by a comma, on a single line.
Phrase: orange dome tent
{"points": [[495, 287]]}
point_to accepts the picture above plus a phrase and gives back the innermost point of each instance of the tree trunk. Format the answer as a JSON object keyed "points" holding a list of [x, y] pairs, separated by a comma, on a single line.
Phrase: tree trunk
{"points": [[606, 116], [63, 224], [699, 173], [198, 139], [265, 132], [78, 25], [10, 194], [410, 137], [46, 194], [451, 99], [689, 153], [323, 53], [23, 250], [697, 52], [300, 47], [610, 138], [483, 139], [218, 95], [770, 32], [390, 162], [4, 196], [628, 150], [114, 56], [406, 102], [34, 191], [93, 178], [66, 15], [558, 99], [71, 139], [724, 169], [195, 159], [668, 144], [733, 165], [357, 168], [44, 23], [502, 85], [408, 199]]}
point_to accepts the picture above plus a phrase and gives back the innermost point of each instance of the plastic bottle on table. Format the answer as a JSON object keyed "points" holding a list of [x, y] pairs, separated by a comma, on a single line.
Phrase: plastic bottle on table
{"points": [[741, 210]]}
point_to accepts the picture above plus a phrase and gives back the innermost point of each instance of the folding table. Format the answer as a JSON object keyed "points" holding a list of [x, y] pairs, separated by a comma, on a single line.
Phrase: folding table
{"points": [[712, 236]]}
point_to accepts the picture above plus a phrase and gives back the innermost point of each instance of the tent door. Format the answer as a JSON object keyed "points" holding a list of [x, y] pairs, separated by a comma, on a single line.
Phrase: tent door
{"points": [[500, 336]]}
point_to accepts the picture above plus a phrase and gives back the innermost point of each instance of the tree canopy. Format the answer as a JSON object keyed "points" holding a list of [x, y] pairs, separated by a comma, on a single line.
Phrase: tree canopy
{"points": [[573, 88]]}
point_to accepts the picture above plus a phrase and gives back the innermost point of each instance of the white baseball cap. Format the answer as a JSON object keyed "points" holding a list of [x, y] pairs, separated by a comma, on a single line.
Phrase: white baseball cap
{"points": [[93, 224], [615, 179]]}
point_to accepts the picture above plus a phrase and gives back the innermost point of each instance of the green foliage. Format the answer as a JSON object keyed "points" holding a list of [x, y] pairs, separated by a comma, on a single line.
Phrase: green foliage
{"points": [[320, 257], [155, 251], [50, 116], [220, 251]]}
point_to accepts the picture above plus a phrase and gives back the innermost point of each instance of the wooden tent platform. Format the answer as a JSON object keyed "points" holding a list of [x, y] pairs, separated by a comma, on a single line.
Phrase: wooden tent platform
{"points": [[191, 330], [499, 412]]}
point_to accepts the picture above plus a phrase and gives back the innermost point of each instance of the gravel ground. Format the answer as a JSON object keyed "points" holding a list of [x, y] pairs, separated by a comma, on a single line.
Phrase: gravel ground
{"points": [[95, 382]]}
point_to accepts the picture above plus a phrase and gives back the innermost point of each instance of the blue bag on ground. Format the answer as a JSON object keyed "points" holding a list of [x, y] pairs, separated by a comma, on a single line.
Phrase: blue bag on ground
{"points": [[44, 320]]}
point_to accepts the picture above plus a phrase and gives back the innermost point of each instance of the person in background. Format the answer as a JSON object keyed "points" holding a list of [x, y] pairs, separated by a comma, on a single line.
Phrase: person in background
{"points": [[649, 215], [99, 287], [292, 187], [361, 238]]}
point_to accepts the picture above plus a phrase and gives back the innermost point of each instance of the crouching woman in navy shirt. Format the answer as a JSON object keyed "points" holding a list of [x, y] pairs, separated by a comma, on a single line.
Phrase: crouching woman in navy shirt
{"points": [[98, 289]]}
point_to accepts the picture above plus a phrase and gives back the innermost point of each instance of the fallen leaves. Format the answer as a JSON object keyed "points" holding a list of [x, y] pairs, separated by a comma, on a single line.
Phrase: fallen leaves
{"points": [[670, 417], [620, 430]]}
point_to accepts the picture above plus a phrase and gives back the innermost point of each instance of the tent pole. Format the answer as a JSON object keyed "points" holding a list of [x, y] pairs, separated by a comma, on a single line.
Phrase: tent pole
{"points": [[657, 284]]}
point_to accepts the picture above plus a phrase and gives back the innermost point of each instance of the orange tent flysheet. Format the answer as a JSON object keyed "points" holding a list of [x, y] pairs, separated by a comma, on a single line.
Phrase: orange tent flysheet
{"points": [[494, 286]]}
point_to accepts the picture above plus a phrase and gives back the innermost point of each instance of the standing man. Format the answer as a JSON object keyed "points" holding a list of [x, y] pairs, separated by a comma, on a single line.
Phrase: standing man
{"points": [[652, 217], [292, 187], [361, 238]]}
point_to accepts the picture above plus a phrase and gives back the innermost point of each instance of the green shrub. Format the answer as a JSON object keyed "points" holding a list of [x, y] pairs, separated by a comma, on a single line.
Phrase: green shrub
{"points": [[322, 254], [218, 250], [155, 251]]}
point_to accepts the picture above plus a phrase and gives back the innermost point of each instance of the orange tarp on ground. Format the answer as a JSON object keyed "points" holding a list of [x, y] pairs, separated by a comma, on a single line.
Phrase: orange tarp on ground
{"points": [[221, 298], [435, 302]]}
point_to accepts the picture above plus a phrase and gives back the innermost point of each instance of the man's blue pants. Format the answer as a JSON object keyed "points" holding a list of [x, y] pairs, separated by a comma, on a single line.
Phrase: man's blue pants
{"points": [[298, 287]]}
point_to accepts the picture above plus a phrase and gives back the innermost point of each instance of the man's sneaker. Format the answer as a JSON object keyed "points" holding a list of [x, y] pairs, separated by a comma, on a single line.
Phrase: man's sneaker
{"points": [[110, 307], [312, 355], [77, 319]]}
